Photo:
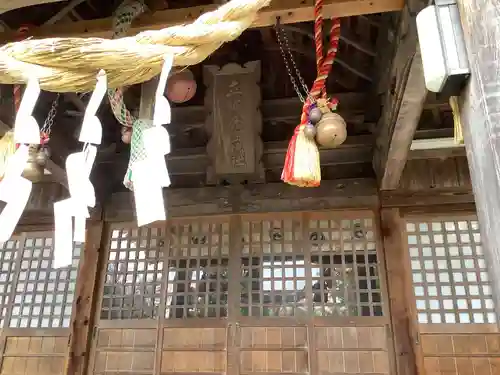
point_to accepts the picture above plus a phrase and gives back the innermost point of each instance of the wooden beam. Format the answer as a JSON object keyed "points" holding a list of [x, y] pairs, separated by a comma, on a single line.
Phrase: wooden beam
{"points": [[356, 149], [40, 207], [82, 317], [399, 289], [403, 105], [480, 110], [64, 12], [290, 11], [278, 197], [425, 198], [8, 5]]}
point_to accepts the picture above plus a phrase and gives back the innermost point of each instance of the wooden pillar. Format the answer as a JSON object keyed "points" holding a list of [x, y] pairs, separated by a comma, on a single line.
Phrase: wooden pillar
{"points": [[82, 317], [399, 291], [480, 112], [403, 102]]}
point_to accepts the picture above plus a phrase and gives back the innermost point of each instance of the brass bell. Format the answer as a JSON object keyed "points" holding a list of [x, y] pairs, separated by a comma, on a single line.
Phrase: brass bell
{"points": [[310, 131], [315, 115], [33, 171], [331, 130]]}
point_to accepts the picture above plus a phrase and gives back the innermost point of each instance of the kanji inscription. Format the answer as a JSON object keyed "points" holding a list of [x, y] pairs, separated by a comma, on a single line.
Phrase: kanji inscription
{"points": [[233, 121]]}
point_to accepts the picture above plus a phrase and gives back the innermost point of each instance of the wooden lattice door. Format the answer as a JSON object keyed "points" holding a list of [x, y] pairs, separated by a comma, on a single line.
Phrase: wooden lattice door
{"points": [[311, 296], [164, 306], [244, 295], [35, 305], [197, 319], [454, 313], [126, 332]]}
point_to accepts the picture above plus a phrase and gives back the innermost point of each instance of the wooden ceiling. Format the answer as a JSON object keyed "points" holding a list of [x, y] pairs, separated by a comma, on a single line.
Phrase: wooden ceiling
{"points": [[358, 79]]}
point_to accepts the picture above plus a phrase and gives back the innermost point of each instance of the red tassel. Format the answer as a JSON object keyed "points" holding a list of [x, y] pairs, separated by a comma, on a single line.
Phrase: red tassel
{"points": [[302, 164], [302, 167]]}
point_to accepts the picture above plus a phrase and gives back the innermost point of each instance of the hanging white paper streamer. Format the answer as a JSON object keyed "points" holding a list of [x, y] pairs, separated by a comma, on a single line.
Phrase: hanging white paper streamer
{"points": [[162, 113], [91, 131], [26, 129], [148, 193], [82, 193], [15, 190], [63, 236], [157, 142], [20, 189]]}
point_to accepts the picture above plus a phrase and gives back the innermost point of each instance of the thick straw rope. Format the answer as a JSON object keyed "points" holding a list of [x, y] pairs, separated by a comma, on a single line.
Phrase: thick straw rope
{"points": [[71, 64]]}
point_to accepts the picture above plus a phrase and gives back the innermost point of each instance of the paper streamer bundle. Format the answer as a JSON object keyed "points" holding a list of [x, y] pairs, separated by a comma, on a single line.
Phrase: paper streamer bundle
{"points": [[15, 190], [71, 214]]}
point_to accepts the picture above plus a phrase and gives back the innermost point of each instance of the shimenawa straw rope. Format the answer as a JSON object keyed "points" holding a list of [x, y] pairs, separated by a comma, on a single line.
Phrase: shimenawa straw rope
{"points": [[71, 64]]}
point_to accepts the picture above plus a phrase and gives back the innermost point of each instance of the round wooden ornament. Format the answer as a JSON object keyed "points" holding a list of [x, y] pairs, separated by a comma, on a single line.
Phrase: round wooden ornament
{"points": [[181, 86]]}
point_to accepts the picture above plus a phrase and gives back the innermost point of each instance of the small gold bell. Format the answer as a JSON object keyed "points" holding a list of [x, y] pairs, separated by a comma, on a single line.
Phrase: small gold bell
{"points": [[331, 130], [310, 131], [33, 171], [315, 115]]}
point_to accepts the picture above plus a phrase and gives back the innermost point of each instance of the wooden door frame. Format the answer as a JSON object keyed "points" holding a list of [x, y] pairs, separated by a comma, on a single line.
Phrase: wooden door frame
{"points": [[408, 355]]}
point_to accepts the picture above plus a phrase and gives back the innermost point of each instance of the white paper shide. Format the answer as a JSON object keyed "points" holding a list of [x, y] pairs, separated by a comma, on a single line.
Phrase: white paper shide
{"points": [[150, 176], [70, 214], [15, 190]]}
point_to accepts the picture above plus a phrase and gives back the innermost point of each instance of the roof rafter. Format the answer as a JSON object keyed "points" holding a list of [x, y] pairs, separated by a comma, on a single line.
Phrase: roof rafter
{"points": [[289, 11]]}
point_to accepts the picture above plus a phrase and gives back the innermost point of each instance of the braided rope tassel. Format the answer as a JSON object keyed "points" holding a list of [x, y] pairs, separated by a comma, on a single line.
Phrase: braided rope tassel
{"points": [[302, 165], [124, 16]]}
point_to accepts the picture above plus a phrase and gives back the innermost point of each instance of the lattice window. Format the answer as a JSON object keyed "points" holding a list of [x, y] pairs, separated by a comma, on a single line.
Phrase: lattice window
{"points": [[273, 269], [134, 274], [43, 296], [8, 253], [345, 278], [197, 285], [450, 279]]}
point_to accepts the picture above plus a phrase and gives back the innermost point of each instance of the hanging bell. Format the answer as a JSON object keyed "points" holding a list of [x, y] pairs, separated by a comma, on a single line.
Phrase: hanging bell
{"points": [[33, 171], [331, 130], [310, 131], [315, 115]]}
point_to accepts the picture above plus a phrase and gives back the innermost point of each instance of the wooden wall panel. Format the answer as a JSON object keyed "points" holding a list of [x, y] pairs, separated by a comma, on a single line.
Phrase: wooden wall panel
{"points": [[466, 353], [274, 350], [34, 355], [424, 174], [125, 350], [198, 350], [352, 350]]}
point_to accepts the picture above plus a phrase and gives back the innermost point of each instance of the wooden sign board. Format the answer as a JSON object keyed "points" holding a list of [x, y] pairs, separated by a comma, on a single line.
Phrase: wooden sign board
{"points": [[234, 122]]}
